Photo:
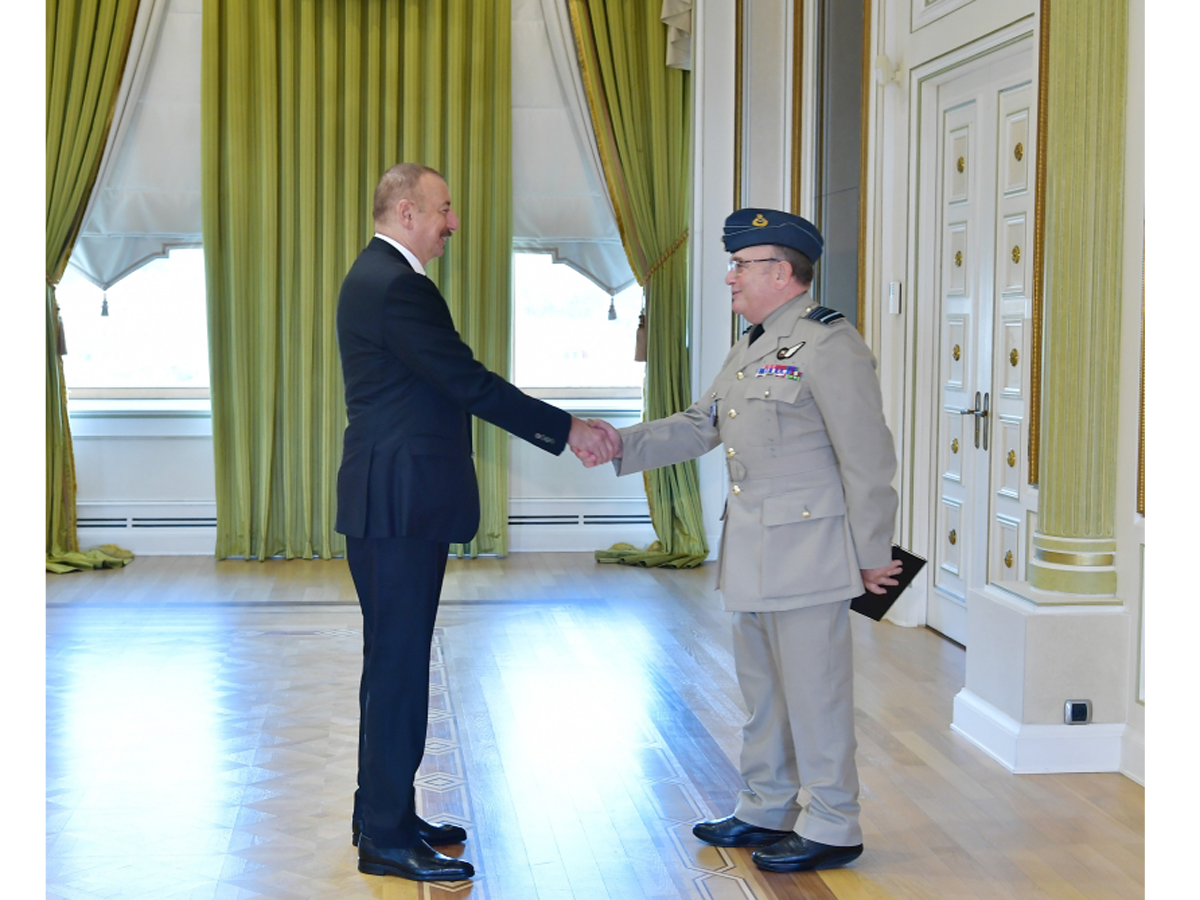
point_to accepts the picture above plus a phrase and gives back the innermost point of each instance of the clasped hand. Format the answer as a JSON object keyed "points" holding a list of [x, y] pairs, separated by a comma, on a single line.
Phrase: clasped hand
{"points": [[594, 441]]}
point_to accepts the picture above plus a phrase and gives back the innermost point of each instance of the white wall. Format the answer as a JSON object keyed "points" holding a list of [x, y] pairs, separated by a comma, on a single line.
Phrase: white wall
{"points": [[145, 482], [1131, 526], [1023, 659]]}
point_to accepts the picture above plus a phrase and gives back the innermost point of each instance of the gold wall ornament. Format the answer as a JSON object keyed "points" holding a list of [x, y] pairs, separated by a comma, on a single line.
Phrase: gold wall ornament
{"points": [[1039, 243], [953, 536], [1141, 465], [1019, 151], [866, 90], [961, 164], [954, 446], [958, 259], [797, 102], [1016, 254], [1008, 557], [956, 352], [1014, 357], [739, 91], [1012, 459]]}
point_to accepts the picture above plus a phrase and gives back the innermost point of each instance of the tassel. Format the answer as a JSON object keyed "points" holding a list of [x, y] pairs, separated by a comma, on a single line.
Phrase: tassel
{"points": [[104, 306], [612, 309], [639, 349]]}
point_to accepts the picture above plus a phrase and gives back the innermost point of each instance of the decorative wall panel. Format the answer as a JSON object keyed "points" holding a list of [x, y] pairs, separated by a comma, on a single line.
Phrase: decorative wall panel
{"points": [[1010, 364], [1006, 542], [1008, 457], [957, 329], [1014, 256], [1014, 149], [957, 261], [958, 166], [952, 449], [952, 538]]}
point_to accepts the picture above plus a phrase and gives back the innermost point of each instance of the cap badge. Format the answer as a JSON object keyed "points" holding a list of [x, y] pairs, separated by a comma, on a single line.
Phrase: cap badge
{"points": [[759, 221]]}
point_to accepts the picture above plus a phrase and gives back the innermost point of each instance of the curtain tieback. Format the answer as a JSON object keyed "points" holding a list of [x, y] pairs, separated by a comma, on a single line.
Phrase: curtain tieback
{"points": [[662, 259]]}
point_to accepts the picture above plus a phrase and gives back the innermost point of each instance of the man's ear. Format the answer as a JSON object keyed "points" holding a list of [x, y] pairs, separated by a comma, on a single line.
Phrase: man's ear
{"points": [[782, 277], [404, 212]]}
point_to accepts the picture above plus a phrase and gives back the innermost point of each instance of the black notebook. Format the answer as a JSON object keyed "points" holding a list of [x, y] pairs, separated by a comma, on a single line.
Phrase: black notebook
{"points": [[874, 606]]}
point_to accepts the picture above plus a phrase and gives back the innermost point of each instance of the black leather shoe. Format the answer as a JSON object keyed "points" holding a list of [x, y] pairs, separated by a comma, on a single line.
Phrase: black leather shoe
{"points": [[733, 832], [420, 862], [797, 854], [435, 835]]}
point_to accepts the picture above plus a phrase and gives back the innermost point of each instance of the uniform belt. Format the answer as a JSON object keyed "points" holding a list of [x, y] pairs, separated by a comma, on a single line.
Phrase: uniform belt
{"points": [[792, 464]]}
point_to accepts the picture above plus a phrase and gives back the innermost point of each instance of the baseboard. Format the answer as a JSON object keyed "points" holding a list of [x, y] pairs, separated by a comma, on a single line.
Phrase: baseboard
{"points": [[1036, 749], [189, 528], [149, 528], [1133, 756], [572, 538]]}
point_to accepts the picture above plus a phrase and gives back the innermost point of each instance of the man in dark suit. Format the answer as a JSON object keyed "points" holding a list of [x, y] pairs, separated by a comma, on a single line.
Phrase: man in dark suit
{"points": [[406, 491]]}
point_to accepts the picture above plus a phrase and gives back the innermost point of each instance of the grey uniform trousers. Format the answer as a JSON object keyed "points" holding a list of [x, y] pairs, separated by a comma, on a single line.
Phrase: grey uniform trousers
{"points": [[796, 672]]}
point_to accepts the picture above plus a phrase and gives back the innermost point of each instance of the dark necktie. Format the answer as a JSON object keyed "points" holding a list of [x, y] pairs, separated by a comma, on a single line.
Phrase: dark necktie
{"points": [[756, 333]]}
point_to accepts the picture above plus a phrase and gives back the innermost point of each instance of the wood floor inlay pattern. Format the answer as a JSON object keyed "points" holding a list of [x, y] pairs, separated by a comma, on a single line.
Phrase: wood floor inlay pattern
{"points": [[202, 732]]}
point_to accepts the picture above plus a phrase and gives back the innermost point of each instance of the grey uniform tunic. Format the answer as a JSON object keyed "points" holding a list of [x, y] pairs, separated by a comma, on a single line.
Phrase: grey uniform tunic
{"points": [[810, 503], [810, 462]]}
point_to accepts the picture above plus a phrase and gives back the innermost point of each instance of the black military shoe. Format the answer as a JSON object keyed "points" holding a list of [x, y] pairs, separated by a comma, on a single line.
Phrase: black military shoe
{"points": [[733, 832], [420, 862], [797, 854], [435, 835]]}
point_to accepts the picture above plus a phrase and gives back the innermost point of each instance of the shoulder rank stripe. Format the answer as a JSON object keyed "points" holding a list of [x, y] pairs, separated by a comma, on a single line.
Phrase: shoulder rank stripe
{"points": [[824, 315]]}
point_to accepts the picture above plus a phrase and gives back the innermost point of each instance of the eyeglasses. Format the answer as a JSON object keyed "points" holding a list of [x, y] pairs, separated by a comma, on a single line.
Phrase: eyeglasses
{"points": [[740, 264]]}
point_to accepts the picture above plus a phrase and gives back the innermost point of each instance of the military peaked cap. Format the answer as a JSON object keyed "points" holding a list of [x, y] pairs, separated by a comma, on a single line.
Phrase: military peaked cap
{"points": [[750, 227]]}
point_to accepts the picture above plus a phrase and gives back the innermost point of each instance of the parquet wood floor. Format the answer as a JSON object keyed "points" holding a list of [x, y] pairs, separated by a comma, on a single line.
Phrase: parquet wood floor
{"points": [[202, 715]]}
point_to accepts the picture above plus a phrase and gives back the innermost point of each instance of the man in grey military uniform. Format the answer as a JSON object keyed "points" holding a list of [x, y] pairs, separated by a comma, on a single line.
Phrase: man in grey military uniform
{"points": [[807, 525]]}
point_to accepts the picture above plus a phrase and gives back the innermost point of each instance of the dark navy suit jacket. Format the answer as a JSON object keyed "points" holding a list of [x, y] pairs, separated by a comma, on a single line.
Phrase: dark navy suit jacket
{"points": [[412, 386]]}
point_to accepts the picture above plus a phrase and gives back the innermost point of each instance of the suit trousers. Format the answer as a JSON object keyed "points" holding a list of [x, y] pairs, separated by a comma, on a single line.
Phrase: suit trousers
{"points": [[399, 581], [796, 672]]}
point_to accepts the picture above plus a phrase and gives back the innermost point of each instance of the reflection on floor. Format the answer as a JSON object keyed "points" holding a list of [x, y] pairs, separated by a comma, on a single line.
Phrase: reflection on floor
{"points": [[201, 733]]}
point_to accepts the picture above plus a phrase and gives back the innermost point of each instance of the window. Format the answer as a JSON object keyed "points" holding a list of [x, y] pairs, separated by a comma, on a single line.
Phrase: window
{"points": [[153, 342], [563, 336]]}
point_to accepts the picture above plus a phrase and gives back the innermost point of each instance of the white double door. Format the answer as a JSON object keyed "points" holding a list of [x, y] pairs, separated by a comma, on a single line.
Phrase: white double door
{"points": [[983, 242]]}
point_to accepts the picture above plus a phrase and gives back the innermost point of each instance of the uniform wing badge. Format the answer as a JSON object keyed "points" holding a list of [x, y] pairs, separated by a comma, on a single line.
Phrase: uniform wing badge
{"points": [[789, 352]]}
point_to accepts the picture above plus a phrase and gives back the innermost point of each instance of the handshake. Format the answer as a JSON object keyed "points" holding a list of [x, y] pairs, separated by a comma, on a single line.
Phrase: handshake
{"points": [[594, 441]]}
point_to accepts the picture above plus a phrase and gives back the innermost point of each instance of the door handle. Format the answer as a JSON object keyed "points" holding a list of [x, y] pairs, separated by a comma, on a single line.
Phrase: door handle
{"points": [[983, 415], [980, 412]]}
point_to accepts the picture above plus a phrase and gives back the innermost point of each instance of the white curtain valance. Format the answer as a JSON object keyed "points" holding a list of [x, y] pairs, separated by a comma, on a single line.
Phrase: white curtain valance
{"points": [[147, 195], [560, 198], [677, 16]]}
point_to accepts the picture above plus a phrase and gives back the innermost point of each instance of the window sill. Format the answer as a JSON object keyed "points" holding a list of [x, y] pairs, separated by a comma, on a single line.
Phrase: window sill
{"points": [[110, 407], [175, 417], [591, 401]]}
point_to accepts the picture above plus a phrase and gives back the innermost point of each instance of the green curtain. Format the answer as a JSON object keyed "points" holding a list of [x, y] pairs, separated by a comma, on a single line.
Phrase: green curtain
{"points": [[641, 112], [303, 106], [87, 44]]}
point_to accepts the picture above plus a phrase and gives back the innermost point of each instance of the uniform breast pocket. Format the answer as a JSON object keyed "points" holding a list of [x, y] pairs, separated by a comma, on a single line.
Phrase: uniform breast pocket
{"points": [[804, 542], [768, 401]]}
